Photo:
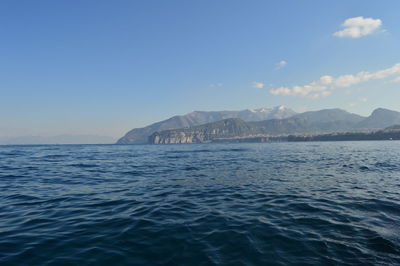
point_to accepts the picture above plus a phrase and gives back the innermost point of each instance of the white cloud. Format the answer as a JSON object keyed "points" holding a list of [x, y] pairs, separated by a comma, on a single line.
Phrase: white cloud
{"points": [[281, 64], [258, 85], [358, 27], [325, 84], [363, 100], [396, 80]]}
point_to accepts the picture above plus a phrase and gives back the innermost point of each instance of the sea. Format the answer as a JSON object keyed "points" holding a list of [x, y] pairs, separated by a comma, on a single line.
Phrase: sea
{"points": [[312, 203]]}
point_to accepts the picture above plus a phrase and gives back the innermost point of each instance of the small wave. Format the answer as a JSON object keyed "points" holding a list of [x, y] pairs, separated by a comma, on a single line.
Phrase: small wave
{"points": [[191, 168], [22, 197], [11, 177], [84, 165], [209, 150], [380, 244], [234, 150], [189, 151], [387, 166], [54, 156], [133, 173]]}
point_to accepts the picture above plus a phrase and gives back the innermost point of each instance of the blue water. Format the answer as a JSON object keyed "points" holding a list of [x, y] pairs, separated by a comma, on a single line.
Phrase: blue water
{"points": [[332, 203]]}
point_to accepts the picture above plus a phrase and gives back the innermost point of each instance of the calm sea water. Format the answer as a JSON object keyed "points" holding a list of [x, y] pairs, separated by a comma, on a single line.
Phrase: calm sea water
{"points": [[333, 203]]}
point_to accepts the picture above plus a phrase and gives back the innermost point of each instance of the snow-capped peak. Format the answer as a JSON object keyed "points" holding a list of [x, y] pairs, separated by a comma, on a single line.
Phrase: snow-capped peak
{"points": [[260, 110], [280, 108]]}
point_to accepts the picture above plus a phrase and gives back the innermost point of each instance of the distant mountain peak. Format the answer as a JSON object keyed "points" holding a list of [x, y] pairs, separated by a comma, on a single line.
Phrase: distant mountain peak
{"points": [[381, 118], [382, 110]]}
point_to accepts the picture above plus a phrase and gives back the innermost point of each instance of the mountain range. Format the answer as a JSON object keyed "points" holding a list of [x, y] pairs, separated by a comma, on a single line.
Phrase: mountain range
{"points": [[141, 135], [315, 122]]}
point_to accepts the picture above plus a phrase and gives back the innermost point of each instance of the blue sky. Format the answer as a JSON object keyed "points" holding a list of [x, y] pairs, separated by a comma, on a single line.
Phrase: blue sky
{"points": [[104, 67]]}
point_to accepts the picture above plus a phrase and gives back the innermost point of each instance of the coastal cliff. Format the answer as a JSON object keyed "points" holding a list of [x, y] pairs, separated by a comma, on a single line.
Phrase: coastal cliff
{"points": [[205, 133]]}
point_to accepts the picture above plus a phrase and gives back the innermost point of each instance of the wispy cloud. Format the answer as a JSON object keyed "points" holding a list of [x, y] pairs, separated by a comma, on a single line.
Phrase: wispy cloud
{"points": [[258, 85], [358, 27], [321, 95], [281, 64], [213, 85], [324, 85], [396, 80], [360, 100]]}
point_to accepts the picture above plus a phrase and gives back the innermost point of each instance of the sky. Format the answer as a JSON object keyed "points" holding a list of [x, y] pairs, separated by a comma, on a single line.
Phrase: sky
{"points": [[105, 67]]}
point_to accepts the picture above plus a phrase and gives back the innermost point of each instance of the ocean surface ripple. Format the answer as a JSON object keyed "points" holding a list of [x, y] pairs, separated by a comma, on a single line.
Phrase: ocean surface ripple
{"points": [[332, 203]]}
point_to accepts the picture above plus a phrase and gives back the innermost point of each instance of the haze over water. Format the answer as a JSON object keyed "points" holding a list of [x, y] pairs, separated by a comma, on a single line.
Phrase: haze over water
{"points": [[228, 204]]}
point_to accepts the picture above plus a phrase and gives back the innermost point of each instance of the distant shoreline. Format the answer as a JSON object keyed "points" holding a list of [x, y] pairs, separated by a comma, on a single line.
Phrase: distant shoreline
{"points": [[342, 136], [379, 135]]}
